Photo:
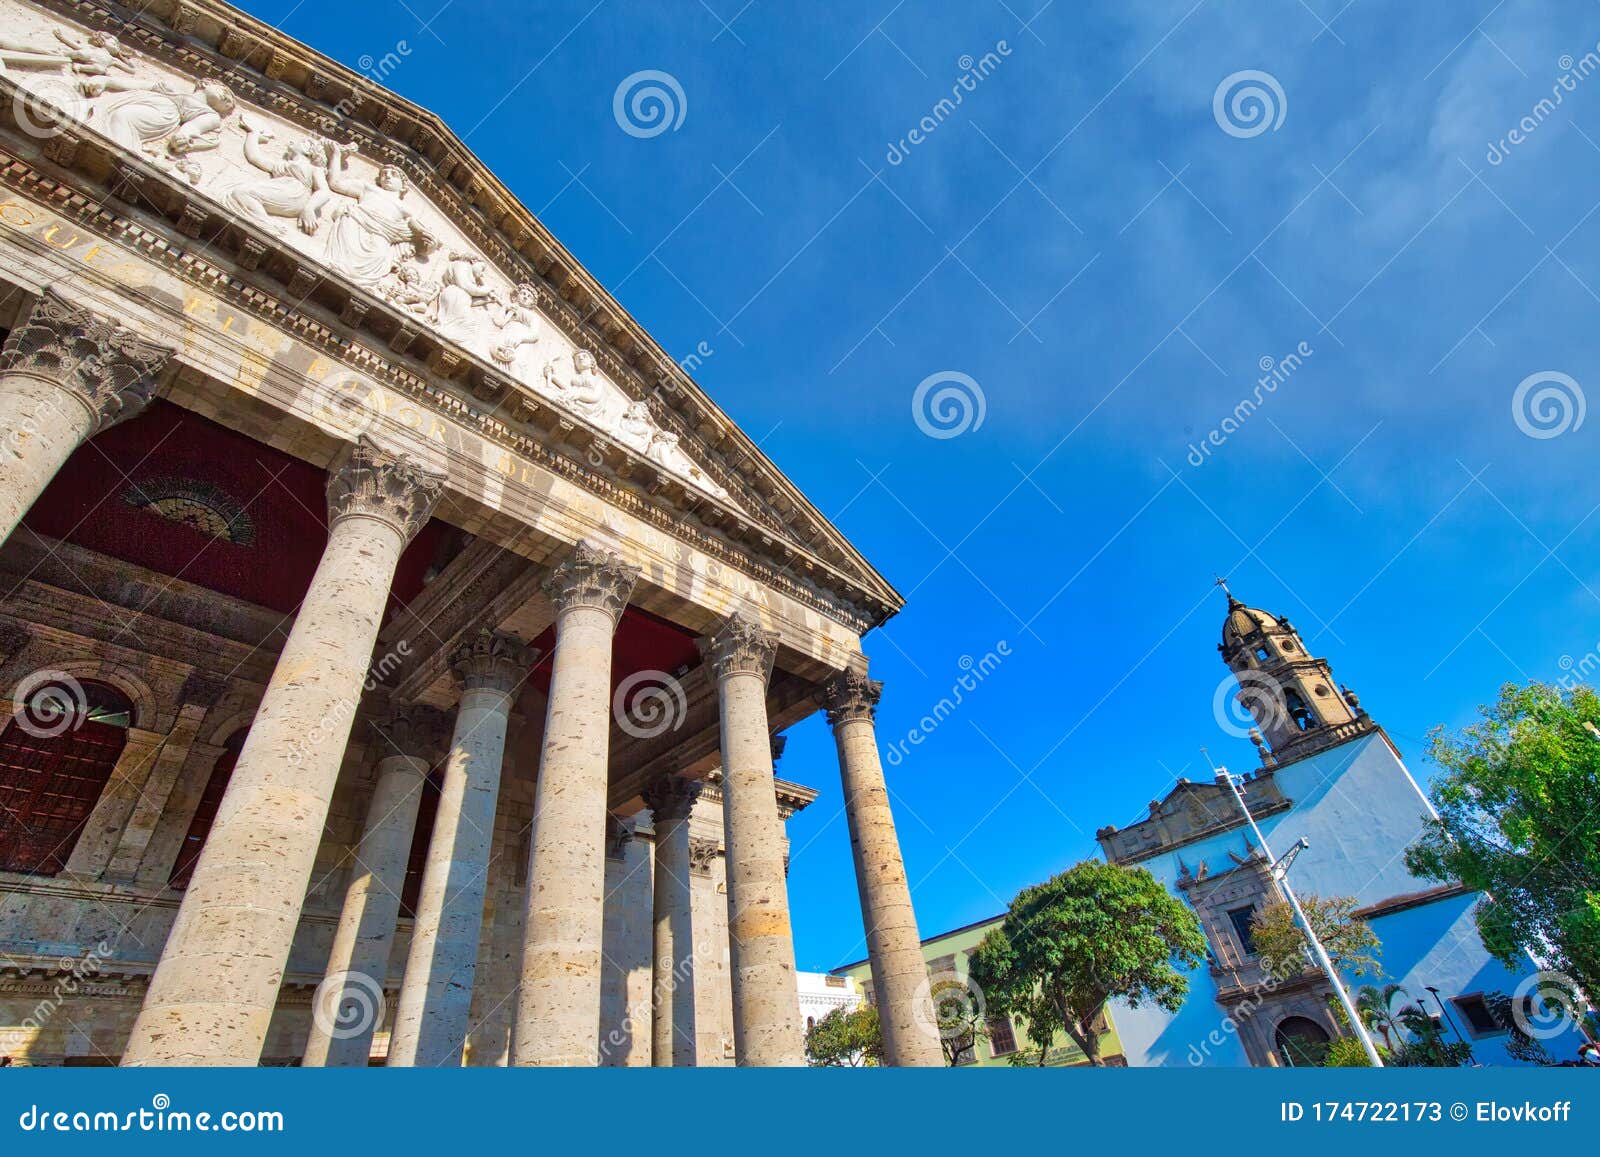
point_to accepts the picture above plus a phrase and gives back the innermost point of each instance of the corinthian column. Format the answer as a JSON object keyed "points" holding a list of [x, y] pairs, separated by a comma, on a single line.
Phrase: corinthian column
{"points": [[345, 1010], [558, 1009], [66, 373], [212, 993], [430, 1023], [766, 1013], [670, 799], [899, 975]]}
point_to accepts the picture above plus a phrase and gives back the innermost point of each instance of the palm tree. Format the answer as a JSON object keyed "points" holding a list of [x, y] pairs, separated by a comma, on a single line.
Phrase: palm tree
{"points": [[1376, 1009]]}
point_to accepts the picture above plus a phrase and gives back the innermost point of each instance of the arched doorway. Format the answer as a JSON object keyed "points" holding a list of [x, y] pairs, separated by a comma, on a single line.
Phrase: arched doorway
{"points": [[1301, 1041], [57, 753]]}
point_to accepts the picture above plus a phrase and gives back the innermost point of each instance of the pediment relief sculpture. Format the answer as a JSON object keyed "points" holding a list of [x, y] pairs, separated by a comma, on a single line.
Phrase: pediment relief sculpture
{"points": [[360, 218]]}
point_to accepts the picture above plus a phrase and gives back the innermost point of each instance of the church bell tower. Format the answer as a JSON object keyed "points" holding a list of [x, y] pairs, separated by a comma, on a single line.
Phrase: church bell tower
{"points": [[1290, 693]]}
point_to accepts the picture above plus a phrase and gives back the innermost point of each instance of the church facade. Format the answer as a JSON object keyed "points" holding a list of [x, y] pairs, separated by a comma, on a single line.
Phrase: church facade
{"points": [[1328, 774], [399, 642]]}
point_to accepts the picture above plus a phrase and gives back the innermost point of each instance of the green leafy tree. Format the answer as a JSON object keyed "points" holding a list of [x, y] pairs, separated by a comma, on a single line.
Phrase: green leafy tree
{"points": [[1520, 1045], [1426, 1046], [1094, 932], [1349, 940], [846, 1038], [1345, 1053], [959, 1012], [1519, 821]]}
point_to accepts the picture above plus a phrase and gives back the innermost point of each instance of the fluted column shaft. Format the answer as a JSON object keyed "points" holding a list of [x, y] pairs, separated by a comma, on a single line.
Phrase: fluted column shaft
{"points": [[672, 1038], [766, 1015], [558, 1008], [212, 994], [430, 1023], [899, 974], [345, 1010], [65, 374]]}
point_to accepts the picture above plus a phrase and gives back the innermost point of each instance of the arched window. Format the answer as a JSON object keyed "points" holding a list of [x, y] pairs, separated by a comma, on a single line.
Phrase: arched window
{"points": [[1301, 1041], [1298, 711], [205, 812], [56, 755]]}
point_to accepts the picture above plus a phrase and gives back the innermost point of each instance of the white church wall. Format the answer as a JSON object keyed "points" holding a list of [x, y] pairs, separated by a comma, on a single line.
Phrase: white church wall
{"points": [[1360, 809]]}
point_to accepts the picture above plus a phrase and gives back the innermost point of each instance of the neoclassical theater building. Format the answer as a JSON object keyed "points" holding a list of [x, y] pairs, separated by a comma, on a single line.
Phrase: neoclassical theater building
{"points": [[398, 641]]}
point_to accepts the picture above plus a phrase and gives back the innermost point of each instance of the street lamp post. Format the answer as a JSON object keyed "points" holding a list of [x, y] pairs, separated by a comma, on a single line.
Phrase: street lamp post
{"points": [[1448, 1019], [1281, 874]]}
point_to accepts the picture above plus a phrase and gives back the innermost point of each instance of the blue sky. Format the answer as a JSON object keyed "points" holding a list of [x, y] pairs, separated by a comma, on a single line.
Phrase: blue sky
{"points": [[1083, 240]]}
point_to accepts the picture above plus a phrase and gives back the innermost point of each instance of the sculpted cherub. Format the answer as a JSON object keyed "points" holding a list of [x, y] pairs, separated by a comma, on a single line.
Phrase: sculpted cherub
{"points": [[408, 287], [98, 54]]}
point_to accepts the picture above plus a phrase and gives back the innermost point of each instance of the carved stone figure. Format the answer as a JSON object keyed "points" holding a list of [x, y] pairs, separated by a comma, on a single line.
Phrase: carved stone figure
{"points": [[150, 112], [666, 453], [97, 54], [463, 287], [637, 429], [409, 288], [374, 231], [582, 389], [663, 450], [295, 187], [517, 325]]}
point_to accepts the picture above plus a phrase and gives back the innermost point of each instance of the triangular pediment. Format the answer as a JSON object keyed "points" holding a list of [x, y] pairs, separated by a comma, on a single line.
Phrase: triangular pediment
{"points": [[357, 217], [374, 195]]}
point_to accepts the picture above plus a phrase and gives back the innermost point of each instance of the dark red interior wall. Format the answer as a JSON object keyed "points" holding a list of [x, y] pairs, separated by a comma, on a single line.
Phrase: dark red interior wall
{"points": [[87, 505]]}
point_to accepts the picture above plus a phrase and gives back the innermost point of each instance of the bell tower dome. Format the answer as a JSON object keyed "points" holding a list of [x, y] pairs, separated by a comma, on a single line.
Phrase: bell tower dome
{"points": [[1290, 693]]}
